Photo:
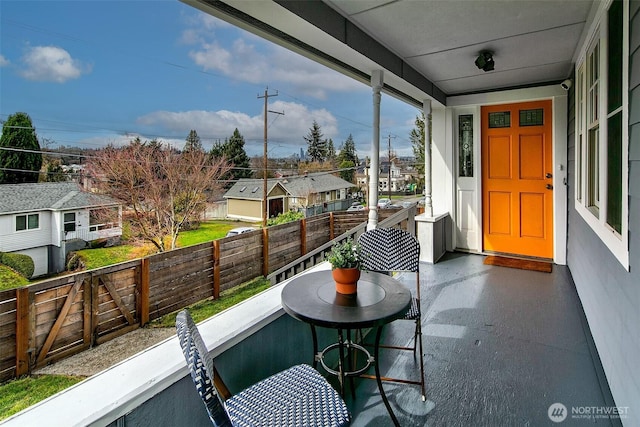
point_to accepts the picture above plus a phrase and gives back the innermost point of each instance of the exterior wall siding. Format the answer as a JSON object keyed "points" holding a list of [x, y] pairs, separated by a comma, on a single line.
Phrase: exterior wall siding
{"points": [[609, 294], [11, 241], [251, 209]]}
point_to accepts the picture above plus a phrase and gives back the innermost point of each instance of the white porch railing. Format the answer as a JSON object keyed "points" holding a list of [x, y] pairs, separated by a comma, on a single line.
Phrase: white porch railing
{"points": [[94, 232]]}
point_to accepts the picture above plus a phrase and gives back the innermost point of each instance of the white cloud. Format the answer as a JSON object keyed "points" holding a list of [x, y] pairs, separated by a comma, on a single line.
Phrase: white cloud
{"points": [[201, 27], [251, 59], [3, 61], [51, 64], [285, 132]]}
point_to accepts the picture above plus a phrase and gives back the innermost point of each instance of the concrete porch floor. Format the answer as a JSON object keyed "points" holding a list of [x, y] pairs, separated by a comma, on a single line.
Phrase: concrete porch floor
{"points": [[501, 346]]}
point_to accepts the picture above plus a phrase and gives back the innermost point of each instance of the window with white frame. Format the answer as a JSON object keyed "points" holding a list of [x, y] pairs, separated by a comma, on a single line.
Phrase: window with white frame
{"points": [[27, 222], [601, 97]]}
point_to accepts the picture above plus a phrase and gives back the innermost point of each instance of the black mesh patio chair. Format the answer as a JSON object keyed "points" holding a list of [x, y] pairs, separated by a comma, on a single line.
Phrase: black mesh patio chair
{"points": [[298, 396], [391, 250]]}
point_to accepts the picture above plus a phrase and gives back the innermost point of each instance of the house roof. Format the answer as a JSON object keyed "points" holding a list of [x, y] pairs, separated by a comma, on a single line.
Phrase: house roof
{"points": [[296, 186], [58, 196]]}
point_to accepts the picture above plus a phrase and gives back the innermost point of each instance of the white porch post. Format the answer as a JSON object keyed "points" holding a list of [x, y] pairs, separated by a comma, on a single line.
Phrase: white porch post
{"points": [[428, 205], [431, 230], [377, 78]]}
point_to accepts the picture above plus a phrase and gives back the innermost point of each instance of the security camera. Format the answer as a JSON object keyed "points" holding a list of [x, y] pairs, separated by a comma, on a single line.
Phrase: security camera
{"points": [[566, 85]]}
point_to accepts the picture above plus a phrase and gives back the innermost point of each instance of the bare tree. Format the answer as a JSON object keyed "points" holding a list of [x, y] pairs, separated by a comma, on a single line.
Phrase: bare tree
{"points": [[164, 189]]}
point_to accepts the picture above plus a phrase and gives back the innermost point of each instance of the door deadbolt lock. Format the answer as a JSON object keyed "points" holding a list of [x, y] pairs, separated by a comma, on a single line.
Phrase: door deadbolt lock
{"points": [[549, 187], [548, 175]]}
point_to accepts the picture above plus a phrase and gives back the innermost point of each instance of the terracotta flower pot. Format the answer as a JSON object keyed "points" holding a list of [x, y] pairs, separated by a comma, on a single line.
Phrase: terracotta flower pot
{"points": [[346, 280]]}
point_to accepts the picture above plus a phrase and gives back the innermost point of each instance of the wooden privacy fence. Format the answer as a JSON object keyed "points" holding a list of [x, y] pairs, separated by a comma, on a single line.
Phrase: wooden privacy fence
{"points": [[56, 318]]}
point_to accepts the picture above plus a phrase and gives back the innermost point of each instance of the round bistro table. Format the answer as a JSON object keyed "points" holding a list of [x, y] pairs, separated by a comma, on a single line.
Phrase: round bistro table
{"points": [[312, 298]]}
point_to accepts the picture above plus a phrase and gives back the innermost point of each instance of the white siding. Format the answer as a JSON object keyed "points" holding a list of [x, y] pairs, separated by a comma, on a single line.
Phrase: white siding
{"points": [[11, 240]]}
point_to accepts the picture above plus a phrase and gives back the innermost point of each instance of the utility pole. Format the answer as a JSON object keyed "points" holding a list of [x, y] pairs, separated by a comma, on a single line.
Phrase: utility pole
{"points": [[266, 97], [389, 171]]}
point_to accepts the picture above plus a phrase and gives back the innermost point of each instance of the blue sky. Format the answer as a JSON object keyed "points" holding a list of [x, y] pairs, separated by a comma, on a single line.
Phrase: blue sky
{"points": [[91, 73]]}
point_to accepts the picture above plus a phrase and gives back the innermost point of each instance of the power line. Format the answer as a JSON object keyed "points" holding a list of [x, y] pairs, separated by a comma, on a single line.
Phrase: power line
{"points": [[85, 156]]}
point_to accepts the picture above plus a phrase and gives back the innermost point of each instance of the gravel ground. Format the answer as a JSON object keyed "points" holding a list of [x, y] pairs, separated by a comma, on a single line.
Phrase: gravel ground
{"points": [[105, 355]]}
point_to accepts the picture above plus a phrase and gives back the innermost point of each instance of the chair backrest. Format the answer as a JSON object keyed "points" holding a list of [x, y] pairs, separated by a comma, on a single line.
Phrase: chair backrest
{"points": [[201, 368], [390, 249]]}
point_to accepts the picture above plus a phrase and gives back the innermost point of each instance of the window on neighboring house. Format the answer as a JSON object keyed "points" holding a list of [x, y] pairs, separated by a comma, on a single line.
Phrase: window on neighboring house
{"points": [[27, 222], [601, 96], [70, 221]]}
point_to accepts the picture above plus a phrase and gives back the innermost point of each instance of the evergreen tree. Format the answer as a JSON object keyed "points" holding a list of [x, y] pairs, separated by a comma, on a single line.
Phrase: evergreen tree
{"points": [[348, 159], [193, 142], [18, 133], [235, 154], [217, 151], [232, 149], [348, 151], [317, 147], [331, 151]]}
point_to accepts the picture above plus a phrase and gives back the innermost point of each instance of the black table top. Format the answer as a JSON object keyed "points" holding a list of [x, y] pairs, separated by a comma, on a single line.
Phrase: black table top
{"points": [[312, 298]]}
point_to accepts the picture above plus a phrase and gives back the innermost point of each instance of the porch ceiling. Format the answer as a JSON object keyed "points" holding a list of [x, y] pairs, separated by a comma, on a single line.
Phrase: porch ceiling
{"points": [[426, 47]]}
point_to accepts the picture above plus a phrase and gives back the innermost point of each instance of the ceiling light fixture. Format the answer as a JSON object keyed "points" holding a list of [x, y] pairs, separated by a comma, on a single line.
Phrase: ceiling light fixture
{"points": [[485, 61]]}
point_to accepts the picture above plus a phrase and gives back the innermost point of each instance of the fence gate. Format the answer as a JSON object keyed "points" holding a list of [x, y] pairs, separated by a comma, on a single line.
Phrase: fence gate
{"points": [[91, 308]]}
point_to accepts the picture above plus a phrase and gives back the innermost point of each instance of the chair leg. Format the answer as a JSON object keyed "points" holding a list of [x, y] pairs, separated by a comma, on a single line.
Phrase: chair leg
{"points": [[419, 333]]}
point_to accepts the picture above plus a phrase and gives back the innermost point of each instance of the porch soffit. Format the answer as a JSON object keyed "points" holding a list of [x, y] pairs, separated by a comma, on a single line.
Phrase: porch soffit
{"points": [[426, 48]]}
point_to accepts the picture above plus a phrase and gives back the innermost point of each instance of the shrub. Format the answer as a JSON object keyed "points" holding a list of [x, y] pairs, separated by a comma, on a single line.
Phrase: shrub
{"points": [[285, 217], [74, 262], [21, 263]]}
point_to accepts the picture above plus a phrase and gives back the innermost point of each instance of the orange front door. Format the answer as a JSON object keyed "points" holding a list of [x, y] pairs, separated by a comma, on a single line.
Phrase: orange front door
{"points": [[517, 168]]}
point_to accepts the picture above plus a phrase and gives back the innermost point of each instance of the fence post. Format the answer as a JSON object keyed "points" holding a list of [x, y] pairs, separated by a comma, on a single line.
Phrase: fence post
{"points": [[216, 269], [331, 225], [22, 330], [303, 236], [95, 307], [265, 252], [144, 291], [87, 330]]}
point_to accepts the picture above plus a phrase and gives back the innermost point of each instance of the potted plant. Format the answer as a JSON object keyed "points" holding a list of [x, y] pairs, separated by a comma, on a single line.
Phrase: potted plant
{"points": [[347, 260]]}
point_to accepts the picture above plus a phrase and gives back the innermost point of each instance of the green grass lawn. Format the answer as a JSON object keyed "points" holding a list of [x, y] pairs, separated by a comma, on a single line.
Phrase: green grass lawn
{"points": [[101, 257], [10, 279], [21, 393], [210, 230]]}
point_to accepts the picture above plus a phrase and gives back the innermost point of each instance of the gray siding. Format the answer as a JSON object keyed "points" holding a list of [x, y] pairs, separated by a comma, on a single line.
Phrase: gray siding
{"points": [[609, 294]]}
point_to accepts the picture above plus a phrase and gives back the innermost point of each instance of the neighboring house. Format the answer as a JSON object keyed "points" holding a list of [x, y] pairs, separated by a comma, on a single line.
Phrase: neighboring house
{"points": [[323, 190], [399, 178], [46, 220], [533, 115], [390, 170]]}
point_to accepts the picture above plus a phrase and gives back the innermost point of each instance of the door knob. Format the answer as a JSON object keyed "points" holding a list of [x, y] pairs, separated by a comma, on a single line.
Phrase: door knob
{"points": [[548, 175], [549, 187]]}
